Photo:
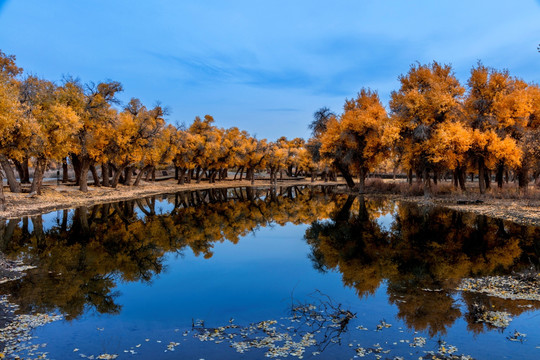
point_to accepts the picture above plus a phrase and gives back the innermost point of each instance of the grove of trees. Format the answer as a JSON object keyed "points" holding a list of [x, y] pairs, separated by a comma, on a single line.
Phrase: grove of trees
{"points": [[84, 125], [434, 127]]}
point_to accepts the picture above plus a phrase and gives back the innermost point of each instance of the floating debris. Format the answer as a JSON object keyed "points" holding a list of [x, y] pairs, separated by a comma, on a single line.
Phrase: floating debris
{"points": [[17, 337], [361, 352], [498, 319], [296, 333], [107, 356], [172, 345], [382, 325], [11, 270], [517, 336], [445, 349], [436, 356], [418, 342], [524, 286]]}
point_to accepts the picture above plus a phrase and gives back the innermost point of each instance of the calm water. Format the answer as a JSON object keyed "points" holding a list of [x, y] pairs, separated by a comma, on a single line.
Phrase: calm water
{"points": [[186, 276]]}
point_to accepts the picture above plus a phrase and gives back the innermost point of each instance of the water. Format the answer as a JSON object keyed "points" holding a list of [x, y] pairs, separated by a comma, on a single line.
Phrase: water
{"points": [[151, 278]]}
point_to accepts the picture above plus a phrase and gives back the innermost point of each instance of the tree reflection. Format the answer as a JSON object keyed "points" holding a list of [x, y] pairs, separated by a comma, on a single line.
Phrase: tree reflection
{"points": [[423, 256], [80, 259]]}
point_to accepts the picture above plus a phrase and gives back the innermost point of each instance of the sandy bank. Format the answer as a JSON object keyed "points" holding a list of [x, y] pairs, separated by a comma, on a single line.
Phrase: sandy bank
{"points": [[63, 197]]}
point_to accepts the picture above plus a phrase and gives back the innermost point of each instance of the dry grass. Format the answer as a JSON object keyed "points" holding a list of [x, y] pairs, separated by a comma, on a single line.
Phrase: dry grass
{"points": [[508, 203]]}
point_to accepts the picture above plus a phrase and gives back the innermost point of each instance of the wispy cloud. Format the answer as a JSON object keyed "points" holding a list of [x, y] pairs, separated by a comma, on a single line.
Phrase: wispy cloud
{"points": [[230, 69], [280, 110]]}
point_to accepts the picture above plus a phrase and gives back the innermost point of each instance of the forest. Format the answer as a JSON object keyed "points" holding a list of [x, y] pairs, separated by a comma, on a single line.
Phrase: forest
{"points": [[435, 127]]}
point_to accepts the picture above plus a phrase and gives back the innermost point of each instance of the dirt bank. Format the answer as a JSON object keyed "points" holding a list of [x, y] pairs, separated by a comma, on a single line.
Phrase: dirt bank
{"points": [[521, 211], [63, 197]]}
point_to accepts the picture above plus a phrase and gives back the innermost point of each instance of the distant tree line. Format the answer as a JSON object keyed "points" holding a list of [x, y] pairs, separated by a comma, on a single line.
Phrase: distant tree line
{"points": [[84, 126], [437, 126]]}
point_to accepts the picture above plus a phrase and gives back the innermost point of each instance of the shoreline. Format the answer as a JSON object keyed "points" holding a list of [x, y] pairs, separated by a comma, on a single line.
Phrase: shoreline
{"points": [[520, 211], [68, 197], [61, 197]]}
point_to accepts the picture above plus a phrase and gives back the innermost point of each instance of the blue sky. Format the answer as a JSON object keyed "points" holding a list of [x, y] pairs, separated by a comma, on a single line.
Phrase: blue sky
{"points": [[264, 66]]}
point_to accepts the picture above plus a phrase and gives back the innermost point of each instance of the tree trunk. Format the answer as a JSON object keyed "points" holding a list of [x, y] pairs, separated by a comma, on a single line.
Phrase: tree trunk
{"points": [[106, 181], [213, 176], [2, 196], [38, 177], [181, 176], [499, 176], [252, 176], [346, 175], [461, 178], [76, 168], [140, 175], [487, 174], [242, 173], [14, 185], [362, 180], [22, 169], [95, 176], [523, 176], [153, 173], [26, 177], [65, 177], [481, 176], [83, 177], [116, 177], [427, 183], [128, 171]]}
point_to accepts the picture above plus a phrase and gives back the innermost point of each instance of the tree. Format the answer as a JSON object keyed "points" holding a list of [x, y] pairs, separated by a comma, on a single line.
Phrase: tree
{"points": [[361, 137], [186, 149], [451, 142], [54, 126], [11, 115], [429, 96], [93, 106], [134, 141], [489, 112], [256, 156]]}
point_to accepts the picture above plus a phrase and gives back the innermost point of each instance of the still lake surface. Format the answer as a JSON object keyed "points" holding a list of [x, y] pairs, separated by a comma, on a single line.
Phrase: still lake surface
{"points": [[249, 273]]}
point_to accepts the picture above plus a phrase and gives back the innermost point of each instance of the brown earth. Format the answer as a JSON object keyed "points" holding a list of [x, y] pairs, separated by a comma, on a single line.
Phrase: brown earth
{"points": [[57, 197], [519, 210]]}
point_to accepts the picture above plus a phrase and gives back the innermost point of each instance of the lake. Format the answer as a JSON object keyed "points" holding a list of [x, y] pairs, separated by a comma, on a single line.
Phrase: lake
{"points": [[250, 273]]}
